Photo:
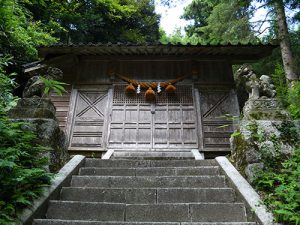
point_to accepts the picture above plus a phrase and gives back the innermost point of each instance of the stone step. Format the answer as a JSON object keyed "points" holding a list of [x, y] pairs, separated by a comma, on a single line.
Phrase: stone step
{"points": [[153, 155], [78, 222], [147, 163], [152, 171], [148, 195], [201, 212], [148, 181]]}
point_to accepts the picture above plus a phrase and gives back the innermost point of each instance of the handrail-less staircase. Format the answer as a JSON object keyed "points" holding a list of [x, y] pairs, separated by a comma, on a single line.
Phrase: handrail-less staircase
{"points": [[148, 192]]}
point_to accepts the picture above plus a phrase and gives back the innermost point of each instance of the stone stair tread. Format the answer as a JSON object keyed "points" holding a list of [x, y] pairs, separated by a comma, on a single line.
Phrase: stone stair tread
{"points": [[163, 167], [148, 195], [148, 181], [147, 192], [175, 212], [121, 163], [86, 222], [153, 155], [151, 171]]}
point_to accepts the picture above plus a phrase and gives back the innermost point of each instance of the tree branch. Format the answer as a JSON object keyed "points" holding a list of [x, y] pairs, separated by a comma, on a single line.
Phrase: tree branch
{"points": [[261, 32], [262, 6]]}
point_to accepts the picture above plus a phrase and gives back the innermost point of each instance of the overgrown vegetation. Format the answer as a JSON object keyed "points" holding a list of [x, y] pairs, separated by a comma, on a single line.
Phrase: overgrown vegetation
{"points": [[22, 164], [276, 173], [289, 96], [293, 99], [279, 184]]}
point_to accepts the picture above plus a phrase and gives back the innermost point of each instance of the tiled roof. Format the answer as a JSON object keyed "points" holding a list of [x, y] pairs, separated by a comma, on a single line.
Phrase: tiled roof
{"points": [[233, 51]]}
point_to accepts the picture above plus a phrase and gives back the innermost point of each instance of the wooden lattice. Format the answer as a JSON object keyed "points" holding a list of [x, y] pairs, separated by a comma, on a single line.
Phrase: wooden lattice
{"points": [[182, 95]]}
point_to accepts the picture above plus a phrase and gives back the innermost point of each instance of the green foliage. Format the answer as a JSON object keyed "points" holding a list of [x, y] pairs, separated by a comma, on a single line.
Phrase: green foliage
{"points": [[177, 37], [279, 184], [22, 165], [278, 181], [54, 85], [19, 33], [293, 99], [198, 11], [256, 134], [7, 83], [288, 96], [288, 132], [237, 27], [280, 84], [100, 20], [209, 21]]}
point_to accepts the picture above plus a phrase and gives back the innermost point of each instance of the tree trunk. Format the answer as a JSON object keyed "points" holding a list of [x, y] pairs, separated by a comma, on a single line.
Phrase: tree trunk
{"points": [[285, 42]]}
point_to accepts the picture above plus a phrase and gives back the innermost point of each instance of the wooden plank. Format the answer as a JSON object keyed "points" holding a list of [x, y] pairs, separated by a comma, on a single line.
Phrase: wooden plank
{"points": [[62, 119], [61, 104], [61, 114], [62, 109], [88, 119], [170, 123]]}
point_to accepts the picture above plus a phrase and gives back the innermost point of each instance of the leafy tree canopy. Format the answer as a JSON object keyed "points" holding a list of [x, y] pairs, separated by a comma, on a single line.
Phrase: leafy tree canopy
{"points": [[19, 32], [100, 20], [25, 24]]}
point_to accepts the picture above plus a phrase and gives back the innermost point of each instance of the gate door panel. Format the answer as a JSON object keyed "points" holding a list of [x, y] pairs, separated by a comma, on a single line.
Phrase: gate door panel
{"points": [[169, 123], [88, 120]]}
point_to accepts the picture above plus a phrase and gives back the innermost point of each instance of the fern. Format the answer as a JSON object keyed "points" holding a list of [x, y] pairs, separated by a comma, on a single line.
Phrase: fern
{"points": [[22, 164], [54, 85]]}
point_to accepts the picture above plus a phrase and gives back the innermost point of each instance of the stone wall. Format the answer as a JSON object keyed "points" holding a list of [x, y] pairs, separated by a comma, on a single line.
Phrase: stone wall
{"points": [[39, 112], [266, 133]]}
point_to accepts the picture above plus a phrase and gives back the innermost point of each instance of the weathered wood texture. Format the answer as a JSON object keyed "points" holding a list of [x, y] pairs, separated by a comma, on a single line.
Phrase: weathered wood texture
{"points": [[61, 103], [99, 121], [169, 123], [95, 71], [219, 109], [88, 119]]}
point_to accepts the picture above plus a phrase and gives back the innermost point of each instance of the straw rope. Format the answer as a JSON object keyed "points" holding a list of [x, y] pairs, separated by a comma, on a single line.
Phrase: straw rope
{"points": [[146, 85]]}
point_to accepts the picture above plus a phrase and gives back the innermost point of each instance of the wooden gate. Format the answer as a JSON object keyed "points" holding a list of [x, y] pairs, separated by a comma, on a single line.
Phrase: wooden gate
{"points": [[88, 120], [171, 122]]}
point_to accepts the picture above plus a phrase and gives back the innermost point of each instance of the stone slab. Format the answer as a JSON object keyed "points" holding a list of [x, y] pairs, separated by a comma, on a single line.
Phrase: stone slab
{"points": [[107, 171], [129, 196], [189, 195], [148, 163], [158, 213], [152, 171], [76, 222], [69, 210], [148, 181], [218, 212]]}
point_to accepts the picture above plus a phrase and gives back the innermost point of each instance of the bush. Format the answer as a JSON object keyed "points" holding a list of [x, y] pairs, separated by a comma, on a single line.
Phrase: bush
{"points": [[280, 84], [22, 165], [280, 187], [294, 100]]}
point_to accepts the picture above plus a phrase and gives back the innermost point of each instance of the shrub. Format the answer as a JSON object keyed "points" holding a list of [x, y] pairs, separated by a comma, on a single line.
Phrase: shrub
{"points": [[280, 187], [294, 100], [22, 165], [280, 84]]}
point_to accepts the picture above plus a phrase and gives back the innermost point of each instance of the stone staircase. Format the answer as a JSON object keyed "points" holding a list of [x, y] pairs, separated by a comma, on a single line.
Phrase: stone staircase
{"points": [[147, 192], [163, 154]]}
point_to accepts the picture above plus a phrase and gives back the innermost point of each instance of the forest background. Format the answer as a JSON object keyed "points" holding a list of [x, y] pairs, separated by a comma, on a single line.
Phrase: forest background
{"points": [[27, 24]]}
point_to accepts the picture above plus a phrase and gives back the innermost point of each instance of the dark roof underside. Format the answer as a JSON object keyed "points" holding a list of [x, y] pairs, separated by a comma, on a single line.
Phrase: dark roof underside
{"points": [[237, 53]]}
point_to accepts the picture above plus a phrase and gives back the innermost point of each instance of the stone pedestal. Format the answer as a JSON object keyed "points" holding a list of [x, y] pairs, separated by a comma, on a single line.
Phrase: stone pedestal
{"points": [[264, 108]]}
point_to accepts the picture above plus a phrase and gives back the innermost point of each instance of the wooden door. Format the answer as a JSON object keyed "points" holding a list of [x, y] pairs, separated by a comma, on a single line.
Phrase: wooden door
{"points": [[170, 123], [88, 120]]}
